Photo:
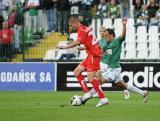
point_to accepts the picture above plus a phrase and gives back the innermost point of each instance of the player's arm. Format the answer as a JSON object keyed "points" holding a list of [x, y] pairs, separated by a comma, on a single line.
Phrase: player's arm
{"points": [[70, 45], [124, 22]]}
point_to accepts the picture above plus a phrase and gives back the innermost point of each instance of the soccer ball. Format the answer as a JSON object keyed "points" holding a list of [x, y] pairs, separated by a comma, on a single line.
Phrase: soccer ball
{"points": [[76, 100]]}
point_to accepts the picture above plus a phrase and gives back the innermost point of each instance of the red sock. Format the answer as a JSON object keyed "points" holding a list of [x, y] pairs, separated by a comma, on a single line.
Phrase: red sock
{"points": [[97, 88], [82, 83]]}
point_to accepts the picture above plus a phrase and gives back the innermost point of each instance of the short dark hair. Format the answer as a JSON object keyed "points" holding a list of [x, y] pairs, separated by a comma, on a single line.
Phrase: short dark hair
{"points": [[75, 18], [110, 31]]}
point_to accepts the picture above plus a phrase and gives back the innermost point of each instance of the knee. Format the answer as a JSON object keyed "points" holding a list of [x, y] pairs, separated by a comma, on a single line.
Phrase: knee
{"points": [[122, 85], [90, 79], [102, 81], [76, 72]]}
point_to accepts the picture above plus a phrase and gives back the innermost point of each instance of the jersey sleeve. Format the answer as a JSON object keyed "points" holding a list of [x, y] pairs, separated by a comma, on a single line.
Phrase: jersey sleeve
{"points": [[82, 35], [120, 39]]}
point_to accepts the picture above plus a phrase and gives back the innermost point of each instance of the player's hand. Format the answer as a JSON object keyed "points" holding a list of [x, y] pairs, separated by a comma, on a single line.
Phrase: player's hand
{"points": [[124, 21], [61, 47]]}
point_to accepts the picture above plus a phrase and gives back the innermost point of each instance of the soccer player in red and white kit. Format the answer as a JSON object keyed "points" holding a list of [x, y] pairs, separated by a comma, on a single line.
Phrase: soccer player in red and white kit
{"points": [[92, 62]]}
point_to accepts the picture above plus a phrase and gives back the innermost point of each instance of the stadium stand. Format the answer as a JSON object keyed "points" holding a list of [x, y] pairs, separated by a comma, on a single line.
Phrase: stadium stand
{"points": [[142, 42]]}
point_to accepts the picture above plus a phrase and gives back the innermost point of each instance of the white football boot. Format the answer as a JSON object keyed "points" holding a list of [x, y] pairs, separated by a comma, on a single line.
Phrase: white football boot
{"points": [[126, 94], [102, 102], [86, 97]]}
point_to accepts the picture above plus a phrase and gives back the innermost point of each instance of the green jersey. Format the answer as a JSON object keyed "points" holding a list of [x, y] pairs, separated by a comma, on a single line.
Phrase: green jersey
{"points": [[33, 12], [114, 49], [103, 45]]}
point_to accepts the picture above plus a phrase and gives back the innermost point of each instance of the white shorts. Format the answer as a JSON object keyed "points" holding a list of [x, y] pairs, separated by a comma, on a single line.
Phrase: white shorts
{"points": [[112, 75], [103, 67]]}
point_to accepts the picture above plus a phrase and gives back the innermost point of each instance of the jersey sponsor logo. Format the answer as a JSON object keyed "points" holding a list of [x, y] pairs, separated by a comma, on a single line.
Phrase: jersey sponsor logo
{"points": [[28, 76], [72, 81], [143, 79], [109, 51], [142, 75]]}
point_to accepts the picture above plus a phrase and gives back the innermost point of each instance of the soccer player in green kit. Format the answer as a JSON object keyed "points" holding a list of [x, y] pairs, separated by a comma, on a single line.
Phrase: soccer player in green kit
{"points": [[113, 52], [103, 64], [112, 73]]}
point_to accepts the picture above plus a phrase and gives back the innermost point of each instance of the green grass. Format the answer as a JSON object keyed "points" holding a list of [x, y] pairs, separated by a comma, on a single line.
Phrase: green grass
{"points": [[55, 106]]}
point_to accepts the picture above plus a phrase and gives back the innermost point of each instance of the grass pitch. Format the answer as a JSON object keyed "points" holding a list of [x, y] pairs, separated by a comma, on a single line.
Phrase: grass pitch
{"points": [[55, 106]]}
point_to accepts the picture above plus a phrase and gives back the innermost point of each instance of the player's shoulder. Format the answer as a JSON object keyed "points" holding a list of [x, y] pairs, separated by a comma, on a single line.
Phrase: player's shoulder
{"points": [[116, 38], [84, 28]]}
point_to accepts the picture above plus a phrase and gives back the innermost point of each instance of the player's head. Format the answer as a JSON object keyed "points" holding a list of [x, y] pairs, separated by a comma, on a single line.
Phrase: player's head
{"points": [[74, 22], [102, 1], [109, 34], [101, 31], [113, 2], [5, 25], [144, 7]]}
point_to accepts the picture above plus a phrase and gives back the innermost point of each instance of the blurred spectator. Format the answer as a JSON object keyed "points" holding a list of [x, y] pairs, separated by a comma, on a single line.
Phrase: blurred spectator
{"points": [[149, 1], [143, 19], [18, 27], [1, 20], [6, 3], [63, 13], [141, 2], [48, 6], [2, 6], [73, 36], [6, 38], [137, 9], [86, 11], [125, 8], [156, 20], [55, 15], [12, 14], [75, 7], [114, 10], [72, 52], [152, 8], [12, 5], [102, 10], [33, 13]]}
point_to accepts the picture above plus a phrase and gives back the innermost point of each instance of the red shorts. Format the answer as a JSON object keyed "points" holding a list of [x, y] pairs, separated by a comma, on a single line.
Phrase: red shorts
{"points": [[91, 63]]}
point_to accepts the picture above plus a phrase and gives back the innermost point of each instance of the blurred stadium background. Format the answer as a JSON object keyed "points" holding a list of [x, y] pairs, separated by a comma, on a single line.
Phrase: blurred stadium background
{"points": [[39, 29], [30, 61]]}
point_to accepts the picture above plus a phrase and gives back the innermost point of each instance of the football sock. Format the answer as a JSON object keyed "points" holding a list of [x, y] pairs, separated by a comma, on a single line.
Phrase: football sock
{"points": [[97, 88], [135, 89], [104, 100], [82, 82], [92, 91]]}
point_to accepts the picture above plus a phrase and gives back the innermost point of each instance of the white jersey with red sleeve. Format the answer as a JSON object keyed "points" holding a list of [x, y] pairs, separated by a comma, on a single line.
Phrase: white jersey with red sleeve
{"points": [[86, 37]]}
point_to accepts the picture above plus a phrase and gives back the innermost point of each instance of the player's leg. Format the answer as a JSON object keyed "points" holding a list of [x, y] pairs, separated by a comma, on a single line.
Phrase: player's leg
{"points": [[132, 88], [126, 94], [78, 74], [100, 80], [117, 73], [97, 88], [93, 64], [103, 68]]}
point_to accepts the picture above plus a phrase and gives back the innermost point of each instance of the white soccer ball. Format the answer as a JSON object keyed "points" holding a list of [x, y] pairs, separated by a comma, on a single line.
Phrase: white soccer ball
{"points": [[76, 101]]}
